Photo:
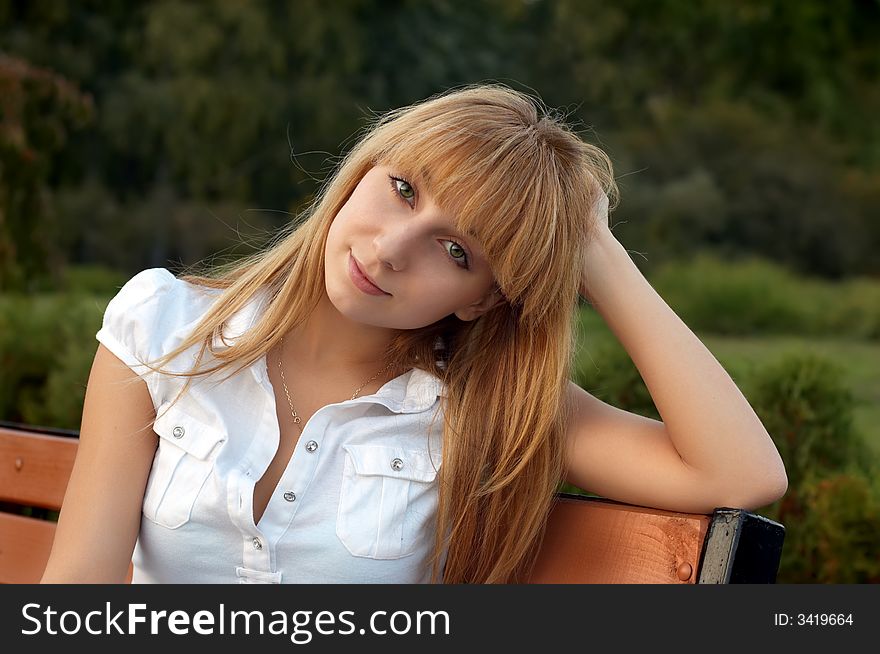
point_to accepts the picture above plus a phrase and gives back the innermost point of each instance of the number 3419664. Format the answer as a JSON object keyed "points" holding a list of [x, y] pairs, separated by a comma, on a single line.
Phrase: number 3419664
{"points": [[812, 619]]}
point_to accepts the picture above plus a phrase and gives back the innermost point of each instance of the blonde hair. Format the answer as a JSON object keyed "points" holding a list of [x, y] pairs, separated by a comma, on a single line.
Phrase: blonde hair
{"points": [[523, 184]]}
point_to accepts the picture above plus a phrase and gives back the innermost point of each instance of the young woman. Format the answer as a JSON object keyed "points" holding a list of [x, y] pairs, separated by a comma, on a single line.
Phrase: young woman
{"points": [[384, 394]]}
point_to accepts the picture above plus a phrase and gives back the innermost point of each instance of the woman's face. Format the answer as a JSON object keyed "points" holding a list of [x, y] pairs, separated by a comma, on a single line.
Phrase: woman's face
{"points": [[408, 247]]}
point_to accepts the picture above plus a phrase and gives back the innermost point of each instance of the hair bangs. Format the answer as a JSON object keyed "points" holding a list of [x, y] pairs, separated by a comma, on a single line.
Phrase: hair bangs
{"points": [[508, 201]]}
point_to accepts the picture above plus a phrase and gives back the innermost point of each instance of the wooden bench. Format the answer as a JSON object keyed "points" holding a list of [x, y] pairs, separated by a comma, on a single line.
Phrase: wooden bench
{"points": [[588, 539]]}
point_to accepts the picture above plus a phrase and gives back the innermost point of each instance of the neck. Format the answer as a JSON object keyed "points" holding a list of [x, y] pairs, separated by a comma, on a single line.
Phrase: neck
{"points": [[327, 339], [359, 379]]}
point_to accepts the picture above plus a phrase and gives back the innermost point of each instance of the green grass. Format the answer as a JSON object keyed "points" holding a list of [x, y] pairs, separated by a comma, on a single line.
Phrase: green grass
{"points": [[859, 359]]}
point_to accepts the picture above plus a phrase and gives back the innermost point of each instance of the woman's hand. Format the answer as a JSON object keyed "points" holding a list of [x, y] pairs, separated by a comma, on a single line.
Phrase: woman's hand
{"points": [[600, 212], [599, 240]]}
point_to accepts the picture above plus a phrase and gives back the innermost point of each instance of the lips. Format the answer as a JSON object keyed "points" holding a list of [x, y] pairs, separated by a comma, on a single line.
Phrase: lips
{"points": [[362, 280]]}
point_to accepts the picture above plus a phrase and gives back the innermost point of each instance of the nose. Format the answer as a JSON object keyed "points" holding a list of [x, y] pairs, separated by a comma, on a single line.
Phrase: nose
{"points": [[387, 262], [393, 244], [403, 239]]}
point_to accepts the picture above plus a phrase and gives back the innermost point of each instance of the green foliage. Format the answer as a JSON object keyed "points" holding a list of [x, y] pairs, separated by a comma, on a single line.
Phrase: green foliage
{"points": [[727, 298], [28, 334], [65, 384], [46, 349], [92, 280], [831, 508], [832, 532], [765, 143], [37, 110], [806, 408], [755, 296], [851, 308]]}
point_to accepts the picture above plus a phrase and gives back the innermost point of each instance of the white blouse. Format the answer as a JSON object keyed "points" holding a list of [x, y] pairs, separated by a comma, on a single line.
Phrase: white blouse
{"points": [[356, 504]]}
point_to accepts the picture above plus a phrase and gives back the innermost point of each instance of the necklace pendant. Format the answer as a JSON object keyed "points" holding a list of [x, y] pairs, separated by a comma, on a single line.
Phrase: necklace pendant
{"points": [[297, 420]]}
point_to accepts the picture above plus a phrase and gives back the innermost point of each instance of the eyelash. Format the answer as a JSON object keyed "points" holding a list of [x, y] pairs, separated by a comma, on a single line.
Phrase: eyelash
{"points": [[396, 192]]}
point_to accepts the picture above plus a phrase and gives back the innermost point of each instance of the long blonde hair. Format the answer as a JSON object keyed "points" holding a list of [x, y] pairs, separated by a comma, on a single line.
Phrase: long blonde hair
{"points": [[515, 177]]}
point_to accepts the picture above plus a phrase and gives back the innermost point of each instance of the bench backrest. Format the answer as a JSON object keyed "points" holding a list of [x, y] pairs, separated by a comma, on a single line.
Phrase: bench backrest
{"points": [[588, 539]]}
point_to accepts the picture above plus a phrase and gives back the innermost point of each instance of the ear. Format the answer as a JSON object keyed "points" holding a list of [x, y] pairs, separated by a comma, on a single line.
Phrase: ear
{"points": [[481, 306]]}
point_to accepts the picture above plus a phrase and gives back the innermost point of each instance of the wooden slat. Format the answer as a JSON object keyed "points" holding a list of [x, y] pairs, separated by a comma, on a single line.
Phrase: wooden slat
{"points": [[34, 471], [35, 468], [25, 544], [592, 541]]}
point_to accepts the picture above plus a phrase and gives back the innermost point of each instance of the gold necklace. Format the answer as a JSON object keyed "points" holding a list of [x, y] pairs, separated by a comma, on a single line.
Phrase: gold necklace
{"points": [[293, 413]]}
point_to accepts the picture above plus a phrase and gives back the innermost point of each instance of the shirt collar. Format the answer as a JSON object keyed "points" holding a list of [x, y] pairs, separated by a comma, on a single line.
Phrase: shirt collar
{"points": [[411, 392], [414, 391]]}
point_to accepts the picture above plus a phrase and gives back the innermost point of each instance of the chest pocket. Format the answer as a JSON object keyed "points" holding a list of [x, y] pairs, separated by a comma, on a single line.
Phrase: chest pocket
{"points": [[182, 464], [387, 502]]}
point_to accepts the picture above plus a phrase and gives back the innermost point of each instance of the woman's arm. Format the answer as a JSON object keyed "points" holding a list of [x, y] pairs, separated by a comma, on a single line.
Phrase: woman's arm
{"points": [[101, 513], [711, 449]]}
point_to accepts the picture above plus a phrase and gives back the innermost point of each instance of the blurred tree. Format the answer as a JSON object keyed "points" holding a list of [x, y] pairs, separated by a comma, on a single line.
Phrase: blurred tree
{"points": [[37, 109], [742, 126], [746, 126]]}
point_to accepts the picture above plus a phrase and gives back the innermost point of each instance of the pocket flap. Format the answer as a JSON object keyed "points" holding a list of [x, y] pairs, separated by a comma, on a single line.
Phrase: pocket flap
{"points": [[389, 461], [186, 432]]}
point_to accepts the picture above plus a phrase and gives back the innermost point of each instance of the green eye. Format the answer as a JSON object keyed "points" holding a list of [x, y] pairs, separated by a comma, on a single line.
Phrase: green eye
{"points": [[406, 191], [402, 189], [458, 254]]}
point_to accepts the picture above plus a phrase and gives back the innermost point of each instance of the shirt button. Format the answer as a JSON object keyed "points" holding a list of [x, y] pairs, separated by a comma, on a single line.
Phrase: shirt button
{"points": [[258, 544], [178, 432], [311, 446], [290, 496], [396, 464]]}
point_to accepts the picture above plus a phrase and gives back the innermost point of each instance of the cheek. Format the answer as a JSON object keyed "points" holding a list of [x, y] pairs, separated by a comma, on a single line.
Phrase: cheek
{"points": [[340, 234], [349, 221], [442, 295]]}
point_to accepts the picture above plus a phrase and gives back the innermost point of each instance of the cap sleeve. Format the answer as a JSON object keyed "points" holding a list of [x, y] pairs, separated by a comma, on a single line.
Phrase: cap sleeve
{"points": [[132, 327]]}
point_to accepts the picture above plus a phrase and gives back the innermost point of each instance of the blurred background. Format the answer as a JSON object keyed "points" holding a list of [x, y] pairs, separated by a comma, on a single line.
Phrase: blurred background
{"points": [[744, 135]]}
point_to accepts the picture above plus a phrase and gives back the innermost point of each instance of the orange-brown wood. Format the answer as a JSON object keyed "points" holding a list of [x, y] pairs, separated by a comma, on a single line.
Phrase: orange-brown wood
{"points": [[25, 544], [35, 468], [34, 471], [594, 541]]}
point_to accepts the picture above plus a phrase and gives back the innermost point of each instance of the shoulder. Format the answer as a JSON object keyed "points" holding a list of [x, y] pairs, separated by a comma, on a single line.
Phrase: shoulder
{"points": [[148, 312], [159, 287]]}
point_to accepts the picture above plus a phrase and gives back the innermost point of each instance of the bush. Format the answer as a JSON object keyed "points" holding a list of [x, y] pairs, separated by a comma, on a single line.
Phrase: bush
{"points": [[730, 298], [807, 410], [854, 311], [47, 343], [66, 382], [755, 296], [832, 532], [29, 333], [830, 511], [93, 280]]}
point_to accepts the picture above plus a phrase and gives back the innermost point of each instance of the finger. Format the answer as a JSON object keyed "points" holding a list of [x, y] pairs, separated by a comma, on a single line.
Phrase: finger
{"points": [[601, 207]]}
